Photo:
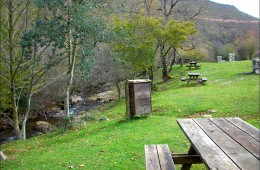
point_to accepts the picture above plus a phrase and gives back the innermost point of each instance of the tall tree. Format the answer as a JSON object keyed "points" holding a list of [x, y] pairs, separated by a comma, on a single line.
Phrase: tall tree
{"points": [[14, 20], [40, 56], [22, 65], [79, 27], [177, 9], [170, 36], [181, 10], [133, 44], [4, 89], [138, 35]]}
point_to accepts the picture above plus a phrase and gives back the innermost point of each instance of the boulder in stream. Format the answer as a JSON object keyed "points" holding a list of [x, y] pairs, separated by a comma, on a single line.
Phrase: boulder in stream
{"points": [[43, 126], [75, 99]]}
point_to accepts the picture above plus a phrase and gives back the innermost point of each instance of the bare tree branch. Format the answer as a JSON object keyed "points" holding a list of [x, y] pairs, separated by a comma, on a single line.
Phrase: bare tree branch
{"points": [[148, 4], [4, 76], [18, 98], [168, 50], [188, 49], [20, 13], [50, 82], [195, 14], [7, 118]]}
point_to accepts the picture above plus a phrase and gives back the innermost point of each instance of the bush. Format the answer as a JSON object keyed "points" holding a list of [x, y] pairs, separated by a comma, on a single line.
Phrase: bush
{"points": [[88, 118], [193, 55], [68, 122]]}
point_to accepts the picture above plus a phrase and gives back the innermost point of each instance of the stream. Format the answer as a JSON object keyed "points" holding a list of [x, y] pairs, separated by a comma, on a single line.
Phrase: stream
{"points": [[96, 95], [8, 134]]}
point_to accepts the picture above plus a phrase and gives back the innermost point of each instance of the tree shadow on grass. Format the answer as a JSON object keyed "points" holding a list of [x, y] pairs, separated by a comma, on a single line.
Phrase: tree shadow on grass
{"points": [[134, 118], [248, 73]]}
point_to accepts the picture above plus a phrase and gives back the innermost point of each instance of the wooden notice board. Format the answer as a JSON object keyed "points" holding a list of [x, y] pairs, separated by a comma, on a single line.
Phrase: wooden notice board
{"points": [[138, 97]]}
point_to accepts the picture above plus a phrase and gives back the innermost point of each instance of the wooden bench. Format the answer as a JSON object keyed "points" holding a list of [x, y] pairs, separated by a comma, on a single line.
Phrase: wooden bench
{"points": [[183, 79], [186, 60], [158, 157], [202, 80]]}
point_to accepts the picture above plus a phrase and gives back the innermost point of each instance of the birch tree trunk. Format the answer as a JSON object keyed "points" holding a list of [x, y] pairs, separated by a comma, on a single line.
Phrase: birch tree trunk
{"points": [[71, 65], [28, 107], [30, 93], [70, 76]]}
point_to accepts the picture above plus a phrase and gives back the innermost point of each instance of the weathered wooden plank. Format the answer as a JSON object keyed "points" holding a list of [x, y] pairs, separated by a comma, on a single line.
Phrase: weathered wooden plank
{"points": [[249, 129], [165, 157], [142, 87], [209, 152], [143, 106], [151, 157], [193, 74], [241, 137], [191, 151], [144, 94], [127, 100], [242, 158], [139, 81]]}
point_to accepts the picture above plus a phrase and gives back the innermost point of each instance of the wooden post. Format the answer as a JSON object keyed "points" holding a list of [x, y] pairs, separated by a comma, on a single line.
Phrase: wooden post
{"points": [[190, 152], [127, 99]]}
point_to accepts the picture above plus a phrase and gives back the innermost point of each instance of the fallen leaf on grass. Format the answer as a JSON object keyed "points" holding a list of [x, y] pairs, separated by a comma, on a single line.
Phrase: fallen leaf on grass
{"points": [[13, 157], [80, 166]]}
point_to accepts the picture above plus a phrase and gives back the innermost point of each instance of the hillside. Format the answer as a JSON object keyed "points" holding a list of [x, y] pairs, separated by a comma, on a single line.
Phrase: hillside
{"points": [[218, 24], [226, 18], [116, 143], [221, 24], [223, 11]]}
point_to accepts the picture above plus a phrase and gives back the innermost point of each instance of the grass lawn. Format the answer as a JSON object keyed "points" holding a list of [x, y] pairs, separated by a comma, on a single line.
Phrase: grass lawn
{"points": [[117, 143]]}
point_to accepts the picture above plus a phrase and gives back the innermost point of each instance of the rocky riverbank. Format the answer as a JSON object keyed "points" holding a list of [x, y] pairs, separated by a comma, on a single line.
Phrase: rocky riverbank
{"points": [[54, 117]]}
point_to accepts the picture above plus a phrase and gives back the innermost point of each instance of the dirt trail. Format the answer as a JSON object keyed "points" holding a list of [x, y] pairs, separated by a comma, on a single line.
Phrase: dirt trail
{"points": [[227, 20]]}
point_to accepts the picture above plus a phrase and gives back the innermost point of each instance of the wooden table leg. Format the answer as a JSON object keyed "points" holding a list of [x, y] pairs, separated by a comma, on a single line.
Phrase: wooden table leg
{"points": [[190, 152]]}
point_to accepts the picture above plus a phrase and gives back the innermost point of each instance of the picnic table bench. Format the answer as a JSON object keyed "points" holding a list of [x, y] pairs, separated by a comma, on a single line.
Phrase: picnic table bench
{"points": [[219, 143], [158, 157], [194, 76], [193, 64]]}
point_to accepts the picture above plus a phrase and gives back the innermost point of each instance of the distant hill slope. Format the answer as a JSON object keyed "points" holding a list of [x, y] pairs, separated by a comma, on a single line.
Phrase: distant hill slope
{"points": [[222, 11], [221, 24], [218, 24]]}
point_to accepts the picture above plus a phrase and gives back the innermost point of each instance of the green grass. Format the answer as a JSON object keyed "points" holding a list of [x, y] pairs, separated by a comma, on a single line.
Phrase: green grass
{"points": [[119, 144]]}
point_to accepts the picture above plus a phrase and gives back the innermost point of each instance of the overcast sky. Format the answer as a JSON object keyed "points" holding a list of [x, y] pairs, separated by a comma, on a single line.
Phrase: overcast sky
{"points": [[250, 7]]}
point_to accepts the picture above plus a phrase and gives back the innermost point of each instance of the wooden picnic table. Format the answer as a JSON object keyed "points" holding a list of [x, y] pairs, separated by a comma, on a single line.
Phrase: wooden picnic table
{"points": [[193, 76], [193, 64], [222, 143]]}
